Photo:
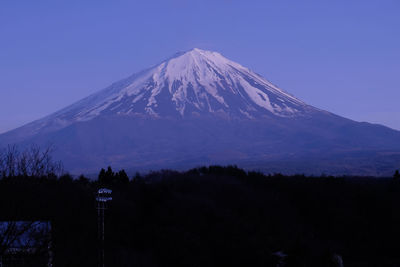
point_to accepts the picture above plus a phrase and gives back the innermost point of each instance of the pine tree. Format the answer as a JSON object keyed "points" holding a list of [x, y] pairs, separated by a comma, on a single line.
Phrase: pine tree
{"points": [[109, 176], [102, 176], [122, 177], [396, 174]]}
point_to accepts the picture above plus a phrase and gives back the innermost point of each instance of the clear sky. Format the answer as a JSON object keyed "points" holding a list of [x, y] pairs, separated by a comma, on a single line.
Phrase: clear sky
{"points": [[342, 56]]}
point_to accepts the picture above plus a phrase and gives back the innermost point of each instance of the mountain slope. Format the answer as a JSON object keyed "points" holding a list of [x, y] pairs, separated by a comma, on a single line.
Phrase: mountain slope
{"points": [[200, 108], [191, 84]]}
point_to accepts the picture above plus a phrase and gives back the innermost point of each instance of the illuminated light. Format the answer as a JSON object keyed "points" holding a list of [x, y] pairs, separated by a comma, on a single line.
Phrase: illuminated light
{"points": [[103, 199], [104, 191]]}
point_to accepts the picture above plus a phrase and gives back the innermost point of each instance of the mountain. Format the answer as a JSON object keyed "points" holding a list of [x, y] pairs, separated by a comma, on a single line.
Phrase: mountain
{"points": [[199, 107]]}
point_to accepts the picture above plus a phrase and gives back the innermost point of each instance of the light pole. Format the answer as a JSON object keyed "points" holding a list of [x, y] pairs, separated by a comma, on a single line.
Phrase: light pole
{"points": [[103, 196]]}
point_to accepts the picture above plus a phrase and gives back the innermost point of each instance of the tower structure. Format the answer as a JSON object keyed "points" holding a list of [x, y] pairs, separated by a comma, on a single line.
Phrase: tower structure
{"points": [[103, 196]]}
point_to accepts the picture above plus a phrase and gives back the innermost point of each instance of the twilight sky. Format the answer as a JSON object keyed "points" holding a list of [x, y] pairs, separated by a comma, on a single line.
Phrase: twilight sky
{"points": [[342, 56]]}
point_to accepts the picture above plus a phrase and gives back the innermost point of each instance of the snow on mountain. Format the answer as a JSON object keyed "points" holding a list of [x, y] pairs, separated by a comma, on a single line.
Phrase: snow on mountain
{"points": [[192, 83], [199, 108]]}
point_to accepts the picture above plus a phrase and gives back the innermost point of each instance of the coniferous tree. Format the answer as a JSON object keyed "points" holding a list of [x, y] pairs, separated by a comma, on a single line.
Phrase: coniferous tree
{"points": [[109, 172], [122, 177], [109, 176], [102, 176]]}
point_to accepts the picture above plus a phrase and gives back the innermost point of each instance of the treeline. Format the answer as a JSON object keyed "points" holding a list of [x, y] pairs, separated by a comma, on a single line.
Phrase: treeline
{"points": [[213, 216]]}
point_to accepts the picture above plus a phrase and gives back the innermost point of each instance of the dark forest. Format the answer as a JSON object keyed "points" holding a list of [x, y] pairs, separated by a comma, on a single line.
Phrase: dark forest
{"points": [[214, 216]]}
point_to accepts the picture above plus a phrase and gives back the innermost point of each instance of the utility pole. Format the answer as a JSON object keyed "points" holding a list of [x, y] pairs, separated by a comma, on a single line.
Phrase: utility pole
{"points": [[103, 196]]}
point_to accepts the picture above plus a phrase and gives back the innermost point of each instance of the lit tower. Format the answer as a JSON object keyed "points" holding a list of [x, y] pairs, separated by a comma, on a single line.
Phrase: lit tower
{"points": [[103, 196]]}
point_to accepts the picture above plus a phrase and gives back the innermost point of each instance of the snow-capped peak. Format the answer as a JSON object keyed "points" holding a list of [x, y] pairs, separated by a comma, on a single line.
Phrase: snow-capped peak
{"points": [[192, 83]]}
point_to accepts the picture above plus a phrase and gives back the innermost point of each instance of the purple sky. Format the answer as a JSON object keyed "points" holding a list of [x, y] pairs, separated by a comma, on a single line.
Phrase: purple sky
{"points": [[341, 56]]}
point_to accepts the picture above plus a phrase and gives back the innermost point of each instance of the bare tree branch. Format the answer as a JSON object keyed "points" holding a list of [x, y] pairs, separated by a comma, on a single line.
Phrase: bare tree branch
{"points": [[31, 162]]}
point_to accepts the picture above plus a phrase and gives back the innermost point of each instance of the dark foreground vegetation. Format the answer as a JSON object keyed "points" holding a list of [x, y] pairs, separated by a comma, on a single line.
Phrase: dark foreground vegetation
{"points": [[214, 216]]}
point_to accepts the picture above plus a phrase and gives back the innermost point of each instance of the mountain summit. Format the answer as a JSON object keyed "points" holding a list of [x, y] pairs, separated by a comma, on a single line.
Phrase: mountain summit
{"points": [[190, 84], [199, 107]]}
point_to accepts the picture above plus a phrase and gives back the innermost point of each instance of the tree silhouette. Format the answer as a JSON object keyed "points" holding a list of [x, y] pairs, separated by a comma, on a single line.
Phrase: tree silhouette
{"points": [[32, 161], [102, 176], [121, 177], [108, 177]]}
